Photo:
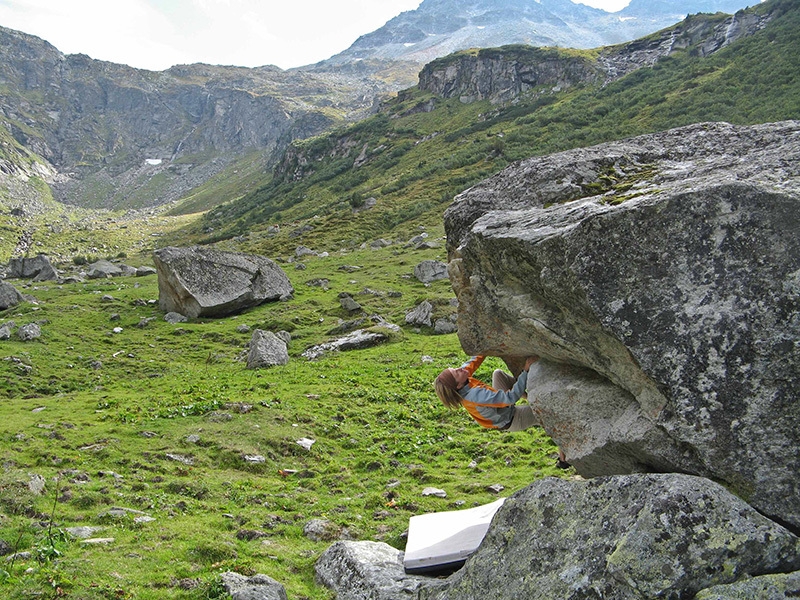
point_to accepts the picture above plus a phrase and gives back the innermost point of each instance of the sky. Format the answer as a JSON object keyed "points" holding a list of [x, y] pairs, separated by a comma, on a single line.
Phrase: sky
{"points": [[157, 34]]}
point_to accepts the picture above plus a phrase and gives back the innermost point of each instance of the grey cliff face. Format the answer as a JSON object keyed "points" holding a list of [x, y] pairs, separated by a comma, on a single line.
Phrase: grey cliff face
{"points": [[658, 279], [502, 74]]}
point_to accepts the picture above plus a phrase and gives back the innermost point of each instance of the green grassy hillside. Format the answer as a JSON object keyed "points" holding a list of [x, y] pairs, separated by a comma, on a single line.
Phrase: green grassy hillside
{"points": [[159, 420], [413, 162]]}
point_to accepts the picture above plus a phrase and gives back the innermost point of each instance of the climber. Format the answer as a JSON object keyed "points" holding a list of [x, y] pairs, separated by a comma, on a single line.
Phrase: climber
{"points": [[495, 406]]}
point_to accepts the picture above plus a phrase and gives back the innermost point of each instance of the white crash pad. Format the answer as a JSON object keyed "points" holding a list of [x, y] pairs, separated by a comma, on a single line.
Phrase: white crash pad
{"points": [[443, 541]]}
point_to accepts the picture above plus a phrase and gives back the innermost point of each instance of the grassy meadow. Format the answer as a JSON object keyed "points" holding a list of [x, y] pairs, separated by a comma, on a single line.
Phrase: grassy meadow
{"points": [[187, 461], [166, 422]]}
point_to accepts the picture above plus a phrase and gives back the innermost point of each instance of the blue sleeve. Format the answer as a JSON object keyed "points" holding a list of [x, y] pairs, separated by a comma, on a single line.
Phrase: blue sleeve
{"points": [[486, 396]]}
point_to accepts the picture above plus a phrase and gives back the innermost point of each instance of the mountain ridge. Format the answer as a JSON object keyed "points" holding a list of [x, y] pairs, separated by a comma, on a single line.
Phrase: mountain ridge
{"points": [[439, 27], [97, 135]]}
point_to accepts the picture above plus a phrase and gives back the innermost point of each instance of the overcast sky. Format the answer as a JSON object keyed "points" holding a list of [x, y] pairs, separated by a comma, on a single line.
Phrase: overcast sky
{"points": [[156, 34]]}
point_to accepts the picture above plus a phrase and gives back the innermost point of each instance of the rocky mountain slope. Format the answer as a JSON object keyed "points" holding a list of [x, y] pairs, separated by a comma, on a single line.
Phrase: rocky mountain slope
{"points": [[124, 137], [475, 111], [101, 135]]}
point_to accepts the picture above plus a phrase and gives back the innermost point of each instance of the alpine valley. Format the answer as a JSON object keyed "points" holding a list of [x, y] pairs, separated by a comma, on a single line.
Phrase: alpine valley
{"points": [[616, 194]]}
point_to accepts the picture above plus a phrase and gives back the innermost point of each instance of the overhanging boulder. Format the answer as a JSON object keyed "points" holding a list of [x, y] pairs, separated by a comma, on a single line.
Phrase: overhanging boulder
{"points": [[666, 267], [205, 282]]}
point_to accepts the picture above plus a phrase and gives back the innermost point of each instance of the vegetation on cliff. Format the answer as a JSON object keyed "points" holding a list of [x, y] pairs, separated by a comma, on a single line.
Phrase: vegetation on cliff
{"points": [[421, 150]]}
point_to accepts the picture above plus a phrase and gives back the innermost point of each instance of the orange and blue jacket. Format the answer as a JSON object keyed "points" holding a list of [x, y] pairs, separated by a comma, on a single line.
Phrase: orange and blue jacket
{"points": [[491, 408]]}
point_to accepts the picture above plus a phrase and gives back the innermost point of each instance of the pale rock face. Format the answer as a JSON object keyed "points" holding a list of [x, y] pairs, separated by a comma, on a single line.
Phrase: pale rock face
{"points": [[659, 279]]}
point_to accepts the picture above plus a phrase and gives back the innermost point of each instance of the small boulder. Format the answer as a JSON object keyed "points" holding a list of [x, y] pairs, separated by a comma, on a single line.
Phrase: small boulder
{"points": [[266, 350], [6, 329], [444, 326], [9, 296], [366, 569], [429, 271], [420, 315], [322, 530], [145, 271], [103, 269], [347, 302], [37, 268], [257, 587], [29, 332]]}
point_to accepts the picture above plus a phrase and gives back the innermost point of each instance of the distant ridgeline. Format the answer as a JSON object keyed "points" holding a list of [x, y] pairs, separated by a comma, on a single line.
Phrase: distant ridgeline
{"points": [[475, 111], [102, 135]]}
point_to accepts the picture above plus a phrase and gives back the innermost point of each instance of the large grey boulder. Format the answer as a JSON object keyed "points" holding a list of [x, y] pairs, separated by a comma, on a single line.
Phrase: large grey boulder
{"points": [[667, 266], [37, 268], [626, 537], [205, 282], [9, 295]]}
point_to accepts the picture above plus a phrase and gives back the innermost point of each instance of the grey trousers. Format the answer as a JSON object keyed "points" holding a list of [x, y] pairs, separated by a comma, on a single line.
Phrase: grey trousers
{"points": [[523, 414]]}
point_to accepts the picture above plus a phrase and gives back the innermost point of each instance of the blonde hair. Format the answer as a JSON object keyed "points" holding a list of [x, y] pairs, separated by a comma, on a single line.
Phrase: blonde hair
{"points": [[444, 385]]}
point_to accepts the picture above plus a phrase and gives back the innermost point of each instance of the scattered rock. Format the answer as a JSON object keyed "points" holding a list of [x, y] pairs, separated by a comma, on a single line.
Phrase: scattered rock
{"points": [[347, 302], [356, 340], [103, 269], [302, 251], [429, 271], [496, 488], [145, 271], [266, 350], [367, 571], [6, 329], [29, 332], [243, 329], [305, 443], [444, 326], [173, 317], [421, 314], [36, 484], [186, 460], [322, 530], [257, 587], [83, 532], [9, 295], [248, 535], [5, 548], [144, 519], [432, 491], [321, 282]]}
